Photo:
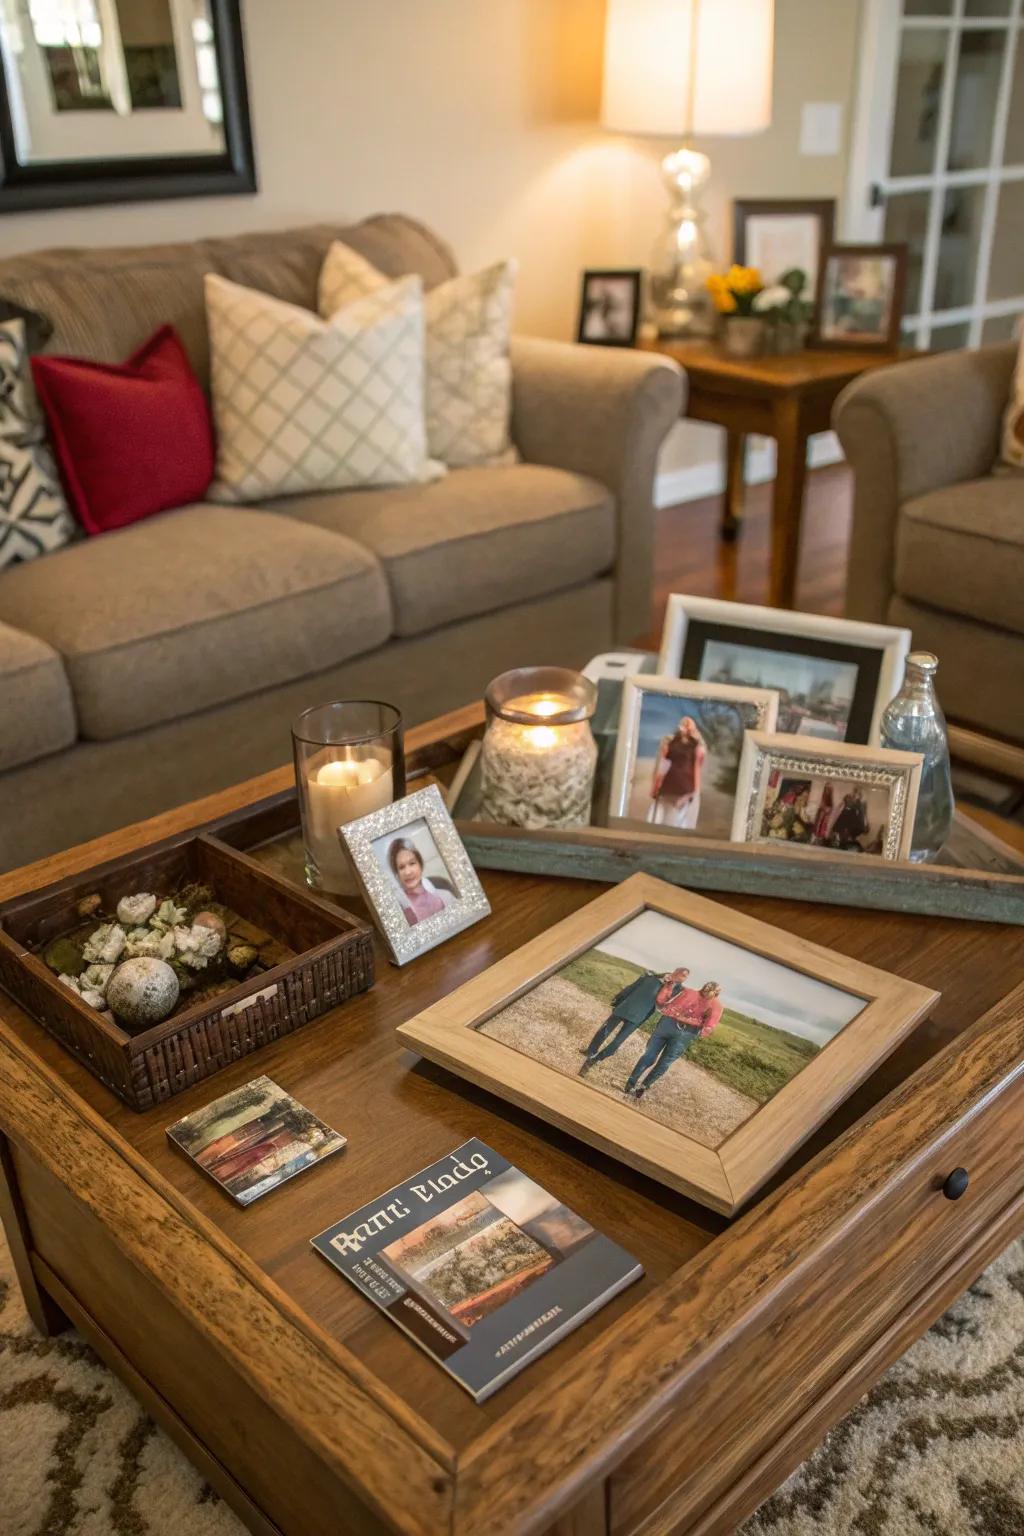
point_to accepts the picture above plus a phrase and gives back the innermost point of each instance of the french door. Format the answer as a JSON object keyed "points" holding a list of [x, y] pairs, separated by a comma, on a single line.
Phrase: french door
{"points": [[938, 161]]}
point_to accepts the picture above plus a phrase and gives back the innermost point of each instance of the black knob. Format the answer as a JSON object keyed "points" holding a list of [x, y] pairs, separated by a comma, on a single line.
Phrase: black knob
{"points": [[956, 1184]]}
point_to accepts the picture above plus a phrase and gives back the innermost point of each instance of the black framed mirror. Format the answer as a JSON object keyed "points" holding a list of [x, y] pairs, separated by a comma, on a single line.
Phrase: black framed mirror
{"points": [[110, 101]]}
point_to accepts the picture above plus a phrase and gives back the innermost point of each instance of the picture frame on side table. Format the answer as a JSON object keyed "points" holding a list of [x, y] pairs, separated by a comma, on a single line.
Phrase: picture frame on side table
{"points": [[678, 751], [414, 873], [617, 997], [827, 797], [834, 676], [859, 299], [610, 308], [776, 234]]}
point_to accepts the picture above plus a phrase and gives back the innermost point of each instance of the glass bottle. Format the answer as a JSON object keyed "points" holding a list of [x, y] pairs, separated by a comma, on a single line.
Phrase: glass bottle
{"points": [[913, 722]]}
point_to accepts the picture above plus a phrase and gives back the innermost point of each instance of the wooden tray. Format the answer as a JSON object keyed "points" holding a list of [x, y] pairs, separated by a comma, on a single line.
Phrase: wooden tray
{"points": [[323, 956]]}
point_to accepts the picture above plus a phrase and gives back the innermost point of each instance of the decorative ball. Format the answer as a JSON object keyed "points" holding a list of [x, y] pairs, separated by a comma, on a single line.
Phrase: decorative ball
{"points": [[143, 991], [135, 910], [212, 921]]}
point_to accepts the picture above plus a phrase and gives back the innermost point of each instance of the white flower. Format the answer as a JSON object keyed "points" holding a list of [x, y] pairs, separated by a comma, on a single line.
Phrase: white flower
{"points": [[151, 943], [167, 915], [95, 978], [771, 298], [133, 910], [196, 945], [88, 994], [105, 945]]}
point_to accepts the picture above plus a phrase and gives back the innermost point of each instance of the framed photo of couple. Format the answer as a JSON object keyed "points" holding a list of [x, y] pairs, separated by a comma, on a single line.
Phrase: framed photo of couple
{"points": [[697, 1044]]}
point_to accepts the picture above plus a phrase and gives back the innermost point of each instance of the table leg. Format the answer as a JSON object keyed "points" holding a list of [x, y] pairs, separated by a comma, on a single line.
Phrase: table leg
{"points": [[44, 1312], [735, 454], [787, 502]]}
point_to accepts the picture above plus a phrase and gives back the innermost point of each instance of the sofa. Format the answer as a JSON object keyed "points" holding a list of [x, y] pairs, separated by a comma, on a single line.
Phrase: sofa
{"points": [[166, 660], [938, 525]]}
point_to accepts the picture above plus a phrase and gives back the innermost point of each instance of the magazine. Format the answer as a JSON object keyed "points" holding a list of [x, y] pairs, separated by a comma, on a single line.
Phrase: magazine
{"points": [[253, 1139], [480, 1265]]}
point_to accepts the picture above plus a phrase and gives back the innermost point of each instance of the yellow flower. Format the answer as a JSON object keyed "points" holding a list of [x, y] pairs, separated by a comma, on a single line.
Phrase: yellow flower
{"points": [[744, 279], [723, 301]]}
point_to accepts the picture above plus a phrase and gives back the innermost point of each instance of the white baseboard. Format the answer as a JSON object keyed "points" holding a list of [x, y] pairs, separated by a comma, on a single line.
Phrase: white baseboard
{"points": [[707, 478]]}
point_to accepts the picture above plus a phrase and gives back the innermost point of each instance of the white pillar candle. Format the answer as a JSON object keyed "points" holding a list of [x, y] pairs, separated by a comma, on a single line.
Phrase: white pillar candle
{"points": [[341, 787]]}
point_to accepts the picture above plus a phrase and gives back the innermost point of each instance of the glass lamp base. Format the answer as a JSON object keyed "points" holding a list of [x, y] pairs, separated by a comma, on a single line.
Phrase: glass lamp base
{"points": [[679, 303]]}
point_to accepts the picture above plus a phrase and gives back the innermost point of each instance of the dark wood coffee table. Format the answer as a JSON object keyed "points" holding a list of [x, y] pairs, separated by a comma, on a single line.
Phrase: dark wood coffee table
{"points": [[675, 1409]]}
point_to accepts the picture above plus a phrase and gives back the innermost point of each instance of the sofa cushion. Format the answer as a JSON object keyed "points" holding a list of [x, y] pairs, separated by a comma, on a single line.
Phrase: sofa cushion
{"points": [[962, 549], [479, 539], [37, 713], [196, 607]]}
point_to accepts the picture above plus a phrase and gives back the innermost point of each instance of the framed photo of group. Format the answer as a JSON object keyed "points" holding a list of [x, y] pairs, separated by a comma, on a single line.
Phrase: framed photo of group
{"points": [[834, 677], [697, 1044]]}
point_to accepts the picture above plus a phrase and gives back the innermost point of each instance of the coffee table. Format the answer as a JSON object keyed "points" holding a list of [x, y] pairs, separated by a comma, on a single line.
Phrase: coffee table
{"points": [[675, 1409]]}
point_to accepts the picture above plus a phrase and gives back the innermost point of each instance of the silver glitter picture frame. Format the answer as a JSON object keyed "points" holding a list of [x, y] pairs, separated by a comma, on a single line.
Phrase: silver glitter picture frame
{"points": [[870, 768], [406, 938]]}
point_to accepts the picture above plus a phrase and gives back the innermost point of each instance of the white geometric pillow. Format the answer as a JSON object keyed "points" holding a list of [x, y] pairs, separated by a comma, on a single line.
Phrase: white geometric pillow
{"points": [[1013, 421], [469, 376], [301, 404], [34, 517]]}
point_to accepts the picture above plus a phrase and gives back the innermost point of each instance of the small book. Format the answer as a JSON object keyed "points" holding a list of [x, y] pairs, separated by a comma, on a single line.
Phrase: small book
{"points": [[480, 1265], [254, 1138]]}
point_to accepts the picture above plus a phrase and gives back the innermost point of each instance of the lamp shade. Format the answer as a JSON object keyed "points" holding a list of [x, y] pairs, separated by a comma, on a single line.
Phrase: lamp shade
{"points": [[675, 67]]}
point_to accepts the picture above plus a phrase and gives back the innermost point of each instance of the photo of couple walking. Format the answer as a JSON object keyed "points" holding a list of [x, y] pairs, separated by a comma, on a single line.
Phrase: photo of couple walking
{"points": [[689, 1029]]}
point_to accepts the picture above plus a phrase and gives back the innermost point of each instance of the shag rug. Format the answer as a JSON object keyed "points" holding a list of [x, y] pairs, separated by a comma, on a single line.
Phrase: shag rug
{"points": [[937, 1449]]}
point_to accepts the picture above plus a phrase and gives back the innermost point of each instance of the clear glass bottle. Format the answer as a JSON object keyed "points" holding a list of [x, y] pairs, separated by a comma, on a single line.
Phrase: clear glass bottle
{"points": [[913, 722]]}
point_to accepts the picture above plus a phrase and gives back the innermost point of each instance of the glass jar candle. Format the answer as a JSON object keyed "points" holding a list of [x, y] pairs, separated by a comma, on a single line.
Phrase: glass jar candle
{"points": [[349, 761], [539, 753]]}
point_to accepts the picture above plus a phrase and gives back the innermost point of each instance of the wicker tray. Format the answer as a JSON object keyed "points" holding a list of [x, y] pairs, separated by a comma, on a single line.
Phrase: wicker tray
{"points": [[322, 956]]}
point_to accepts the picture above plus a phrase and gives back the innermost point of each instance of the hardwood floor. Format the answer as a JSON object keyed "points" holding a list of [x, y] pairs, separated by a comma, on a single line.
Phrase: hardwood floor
{"points": [[690, 555]]}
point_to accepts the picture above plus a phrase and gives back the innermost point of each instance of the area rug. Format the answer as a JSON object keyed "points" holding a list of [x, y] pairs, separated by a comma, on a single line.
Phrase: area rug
{"points": [[937, 1449]]}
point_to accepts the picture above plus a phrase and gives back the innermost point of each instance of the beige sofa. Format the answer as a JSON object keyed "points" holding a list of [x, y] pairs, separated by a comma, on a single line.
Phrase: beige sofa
{"points": [[161, 662], [938, 529]]}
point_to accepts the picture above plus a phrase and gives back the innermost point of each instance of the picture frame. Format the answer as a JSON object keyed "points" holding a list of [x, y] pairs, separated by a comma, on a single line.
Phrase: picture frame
{"points": [[799, 788], [447, 896], [775, 234], [609, 314], [882, 1010], [859, 298], [721, 714], [122, 122], [704, 635]]}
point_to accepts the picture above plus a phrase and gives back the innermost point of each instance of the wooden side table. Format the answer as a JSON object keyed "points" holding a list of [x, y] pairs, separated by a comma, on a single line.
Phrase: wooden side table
{"points": [[786, 398]]}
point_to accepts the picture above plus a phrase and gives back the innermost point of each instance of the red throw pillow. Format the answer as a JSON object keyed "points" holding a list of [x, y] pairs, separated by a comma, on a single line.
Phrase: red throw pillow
{"points": [[132, 439]]}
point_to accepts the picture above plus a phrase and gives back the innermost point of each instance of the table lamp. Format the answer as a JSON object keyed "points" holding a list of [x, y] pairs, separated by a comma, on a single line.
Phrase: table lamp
{"points": [[676, 68]]}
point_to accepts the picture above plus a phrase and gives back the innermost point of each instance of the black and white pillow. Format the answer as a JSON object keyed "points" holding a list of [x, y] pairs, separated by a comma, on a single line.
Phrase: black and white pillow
{"points": [[34, 517]]}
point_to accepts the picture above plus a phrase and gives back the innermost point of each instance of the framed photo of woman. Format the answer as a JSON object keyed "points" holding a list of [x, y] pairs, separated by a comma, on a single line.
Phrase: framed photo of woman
{"points": [[678, 752], [414, 873]]}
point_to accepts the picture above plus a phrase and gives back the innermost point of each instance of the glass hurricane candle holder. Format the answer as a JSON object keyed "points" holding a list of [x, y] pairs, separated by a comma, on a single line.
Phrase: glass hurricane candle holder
{"points": [[349, 760], [539, 753]]}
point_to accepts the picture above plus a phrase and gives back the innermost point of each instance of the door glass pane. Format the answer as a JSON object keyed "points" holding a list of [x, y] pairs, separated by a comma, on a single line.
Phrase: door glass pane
{"points": [[1006, 268], [1013, 149], [918, 94], [986, 7], [958, 247], [946, 338], [999, 328], [927, 7], [906, 219], [978, 69]]}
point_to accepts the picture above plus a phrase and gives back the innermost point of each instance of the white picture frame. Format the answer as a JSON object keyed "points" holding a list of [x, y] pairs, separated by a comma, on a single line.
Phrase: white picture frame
{"points": [[767, 756], [430, 831], [882, 646], [638, 689]]}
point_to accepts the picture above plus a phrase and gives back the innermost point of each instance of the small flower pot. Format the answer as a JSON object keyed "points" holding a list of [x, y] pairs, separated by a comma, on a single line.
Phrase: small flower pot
{"points": [[785, 338], [744, 335]]}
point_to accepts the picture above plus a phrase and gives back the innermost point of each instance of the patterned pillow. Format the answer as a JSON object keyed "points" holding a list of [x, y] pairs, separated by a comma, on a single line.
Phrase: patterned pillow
{"points": [[469, 376], [1013, 421], [34, 517], [303, 404]]}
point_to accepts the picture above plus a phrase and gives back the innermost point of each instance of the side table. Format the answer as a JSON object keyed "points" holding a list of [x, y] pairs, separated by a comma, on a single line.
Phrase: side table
{"points": [[786, 398]]}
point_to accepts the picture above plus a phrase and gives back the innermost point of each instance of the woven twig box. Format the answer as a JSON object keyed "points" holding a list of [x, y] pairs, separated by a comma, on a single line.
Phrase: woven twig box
{"points": [[323, 956]]}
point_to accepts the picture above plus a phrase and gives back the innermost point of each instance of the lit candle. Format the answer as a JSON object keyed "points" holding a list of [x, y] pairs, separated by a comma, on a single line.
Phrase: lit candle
{"points": [[340, 789], [539, 775]]}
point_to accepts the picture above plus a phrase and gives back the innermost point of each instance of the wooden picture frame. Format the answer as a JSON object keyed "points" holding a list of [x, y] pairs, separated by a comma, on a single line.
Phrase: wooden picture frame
{"points": [[616, 329], [769, 757], [464, 901], [827, 329], [816, 215], [722, 1177], [761, 710], [136, 175], [877, 651]]}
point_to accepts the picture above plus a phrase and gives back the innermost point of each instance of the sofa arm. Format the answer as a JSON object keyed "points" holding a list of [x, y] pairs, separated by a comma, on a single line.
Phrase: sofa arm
{"points": [[908, 430], [604, 413]]}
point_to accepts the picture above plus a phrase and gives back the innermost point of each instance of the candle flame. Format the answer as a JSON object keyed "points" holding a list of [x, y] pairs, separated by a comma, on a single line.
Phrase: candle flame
{"points": [[541, 736]]}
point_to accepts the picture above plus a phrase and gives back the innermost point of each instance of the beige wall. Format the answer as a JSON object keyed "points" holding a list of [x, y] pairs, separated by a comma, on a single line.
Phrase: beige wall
{"points": [[480, 116]]}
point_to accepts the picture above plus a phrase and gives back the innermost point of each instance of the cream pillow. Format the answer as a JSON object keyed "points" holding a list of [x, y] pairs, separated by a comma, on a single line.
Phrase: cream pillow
{"points": [[1013, 421], [303, 404], [469, 376]]}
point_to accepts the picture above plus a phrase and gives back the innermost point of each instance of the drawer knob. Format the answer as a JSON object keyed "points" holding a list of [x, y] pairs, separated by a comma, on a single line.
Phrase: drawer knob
{"points": [[956, 1184]]}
